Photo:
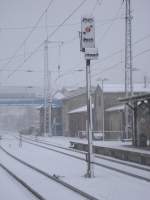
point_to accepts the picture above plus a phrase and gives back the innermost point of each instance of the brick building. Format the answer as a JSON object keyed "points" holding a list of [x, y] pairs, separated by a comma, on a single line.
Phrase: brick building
{"points": [[72, 114]]}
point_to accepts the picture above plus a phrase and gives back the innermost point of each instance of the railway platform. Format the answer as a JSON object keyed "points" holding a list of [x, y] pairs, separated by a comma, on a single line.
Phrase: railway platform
{"points": [[115, 149]]}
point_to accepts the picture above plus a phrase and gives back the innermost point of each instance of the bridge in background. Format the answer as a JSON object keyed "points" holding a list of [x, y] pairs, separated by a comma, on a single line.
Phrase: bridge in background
{"points": [[33, 102]]}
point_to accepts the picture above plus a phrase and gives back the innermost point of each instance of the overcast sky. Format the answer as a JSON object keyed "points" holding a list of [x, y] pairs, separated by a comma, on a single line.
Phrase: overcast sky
{"points": [[17, 18]]}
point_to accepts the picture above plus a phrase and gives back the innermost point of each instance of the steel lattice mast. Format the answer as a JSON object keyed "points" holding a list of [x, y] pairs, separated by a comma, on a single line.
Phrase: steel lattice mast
{"points": [[46, 89], [128, 66]]}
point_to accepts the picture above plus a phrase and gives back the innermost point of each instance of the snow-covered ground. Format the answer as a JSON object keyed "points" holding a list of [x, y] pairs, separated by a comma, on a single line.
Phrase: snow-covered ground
{"points": [[106, 185], [98, 158], [65, 141], [10, 189], [113, 144], [46, 187]]}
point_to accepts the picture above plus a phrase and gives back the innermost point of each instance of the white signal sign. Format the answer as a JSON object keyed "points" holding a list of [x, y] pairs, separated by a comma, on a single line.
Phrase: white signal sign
{"points": [[87, 33], [91, 53]]}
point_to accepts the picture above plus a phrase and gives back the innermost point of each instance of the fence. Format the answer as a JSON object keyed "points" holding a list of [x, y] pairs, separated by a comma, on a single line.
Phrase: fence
{"points": [[98, 135]]}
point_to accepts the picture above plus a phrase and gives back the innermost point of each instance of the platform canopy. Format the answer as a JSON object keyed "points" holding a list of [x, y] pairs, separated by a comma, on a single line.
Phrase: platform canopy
{"points": [[135, 98], [135, 102]]}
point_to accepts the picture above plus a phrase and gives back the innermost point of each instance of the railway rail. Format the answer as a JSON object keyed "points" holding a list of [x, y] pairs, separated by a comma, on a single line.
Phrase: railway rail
{"points": [[116, 169], [23, 183], [97, 156], [51, 177]]}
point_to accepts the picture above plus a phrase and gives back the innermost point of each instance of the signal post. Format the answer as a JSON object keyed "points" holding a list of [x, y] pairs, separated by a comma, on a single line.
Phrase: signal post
{"points": [[87, 45]]}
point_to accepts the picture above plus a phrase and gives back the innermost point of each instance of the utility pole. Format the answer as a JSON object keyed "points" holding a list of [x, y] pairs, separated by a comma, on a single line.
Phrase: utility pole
{"points": [[46, 113], [102, 102], [47, 85], [47, 89], [128, 66], [49, 103], [103, 107]]}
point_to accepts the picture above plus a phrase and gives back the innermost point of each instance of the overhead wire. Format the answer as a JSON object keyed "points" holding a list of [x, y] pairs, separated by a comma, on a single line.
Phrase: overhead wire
{"points": [[98, 21], [66, 19], [110, 67], [65, 42], [95, 5], [69, 41], [110, 55], [142, 52], [141, 39], [112, 20], [29, 34], [109, 27], [120, 50], [117, 64], [7, 58], [116, 52], [49, 36]]}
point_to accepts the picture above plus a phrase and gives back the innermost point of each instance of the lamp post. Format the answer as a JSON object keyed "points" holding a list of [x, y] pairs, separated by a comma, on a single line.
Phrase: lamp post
{"points": [[103, 106]]}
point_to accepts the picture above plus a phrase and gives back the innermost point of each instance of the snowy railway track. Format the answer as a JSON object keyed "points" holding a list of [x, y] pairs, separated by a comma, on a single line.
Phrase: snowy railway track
{"points": [[23, 183], [56, 179], [136, 166], [116, 168]]}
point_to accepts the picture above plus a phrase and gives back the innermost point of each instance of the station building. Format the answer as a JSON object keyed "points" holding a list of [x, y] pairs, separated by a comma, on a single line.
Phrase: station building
{"points": [[70, 119]]}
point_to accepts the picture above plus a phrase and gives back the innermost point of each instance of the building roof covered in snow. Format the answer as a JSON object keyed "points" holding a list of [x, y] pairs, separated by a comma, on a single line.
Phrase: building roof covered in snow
{"points": [[79, 109], [68, 93], [115, 108]]}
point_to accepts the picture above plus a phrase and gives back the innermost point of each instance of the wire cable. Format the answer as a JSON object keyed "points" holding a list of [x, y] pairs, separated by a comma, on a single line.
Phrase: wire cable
{"points": [[29, 34], [98, 2], [116, 52], [49, 36], [66, 19], [118, 64], [109, 27], [120, 50], [102, 21], [115, 65]]}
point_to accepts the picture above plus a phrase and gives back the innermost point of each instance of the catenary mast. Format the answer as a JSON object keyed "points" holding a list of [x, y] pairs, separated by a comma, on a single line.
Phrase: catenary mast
{"points": [[128, 66]]}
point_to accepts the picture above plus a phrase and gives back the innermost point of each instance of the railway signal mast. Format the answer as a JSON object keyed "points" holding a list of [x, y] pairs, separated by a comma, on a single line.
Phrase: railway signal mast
{"points": [[47, 105], [128, 67], [47, 92], [87, 45]]}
